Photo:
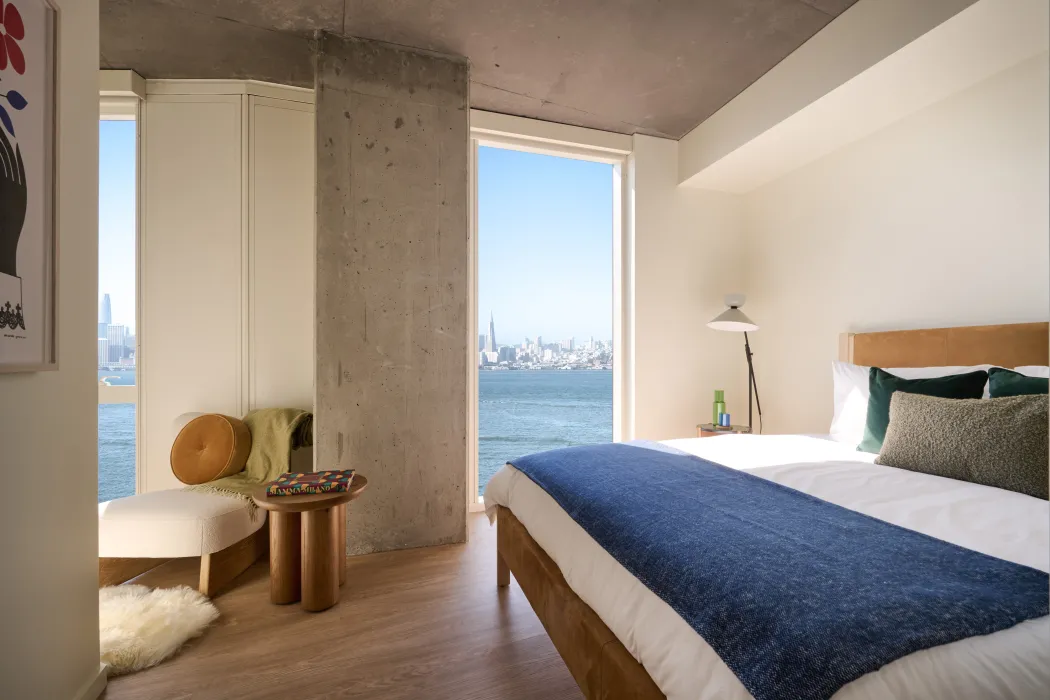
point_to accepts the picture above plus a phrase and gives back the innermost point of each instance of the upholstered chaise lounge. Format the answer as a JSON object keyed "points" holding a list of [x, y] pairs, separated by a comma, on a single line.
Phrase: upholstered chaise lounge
{"points": [[138, 533]]}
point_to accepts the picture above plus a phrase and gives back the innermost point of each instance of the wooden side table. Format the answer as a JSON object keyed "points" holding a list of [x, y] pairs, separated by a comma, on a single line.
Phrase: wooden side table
{"points": [[711, 430], [308, 545]]}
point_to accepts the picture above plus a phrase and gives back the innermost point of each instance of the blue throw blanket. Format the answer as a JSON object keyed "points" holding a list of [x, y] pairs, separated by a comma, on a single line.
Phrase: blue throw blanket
{"points": [[797, 595]]}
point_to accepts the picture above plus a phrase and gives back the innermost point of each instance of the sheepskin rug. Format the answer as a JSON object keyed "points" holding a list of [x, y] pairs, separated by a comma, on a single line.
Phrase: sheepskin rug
{"points": [[140, 626]]}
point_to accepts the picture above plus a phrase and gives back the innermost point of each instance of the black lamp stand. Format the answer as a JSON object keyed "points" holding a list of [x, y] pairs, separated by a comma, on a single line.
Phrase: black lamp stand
{"points": [[751, 383]]}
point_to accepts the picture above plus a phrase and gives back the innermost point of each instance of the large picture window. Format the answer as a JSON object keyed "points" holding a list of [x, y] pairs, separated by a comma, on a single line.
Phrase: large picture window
{"points": [[117, 328], [550, 260], [545, 371]]}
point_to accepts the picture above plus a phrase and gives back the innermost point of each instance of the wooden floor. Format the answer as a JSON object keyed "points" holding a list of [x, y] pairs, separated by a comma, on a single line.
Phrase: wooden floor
{"points": [[421, 623]]}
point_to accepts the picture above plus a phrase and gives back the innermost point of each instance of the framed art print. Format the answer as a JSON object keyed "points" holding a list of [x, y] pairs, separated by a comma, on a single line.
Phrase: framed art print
{"points": [[27, 145]]}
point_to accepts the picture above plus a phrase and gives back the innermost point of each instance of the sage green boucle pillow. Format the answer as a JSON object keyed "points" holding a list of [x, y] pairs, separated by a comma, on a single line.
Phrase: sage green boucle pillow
{"points": [[993, 442]]}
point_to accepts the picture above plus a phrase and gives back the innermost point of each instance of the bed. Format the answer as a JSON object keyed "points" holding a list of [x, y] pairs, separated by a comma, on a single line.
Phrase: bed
{"points": [[620, 640]]}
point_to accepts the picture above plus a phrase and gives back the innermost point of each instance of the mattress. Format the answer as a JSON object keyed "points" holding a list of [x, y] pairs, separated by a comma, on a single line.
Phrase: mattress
{"points": [[1014, 663]]}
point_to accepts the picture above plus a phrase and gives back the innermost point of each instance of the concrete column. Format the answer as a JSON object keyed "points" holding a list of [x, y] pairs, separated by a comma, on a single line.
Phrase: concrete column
{"points": [[392, 255]]}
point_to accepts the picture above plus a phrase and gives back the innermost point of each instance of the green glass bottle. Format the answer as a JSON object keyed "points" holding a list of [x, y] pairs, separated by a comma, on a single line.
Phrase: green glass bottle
{"points": [[720, 405]]}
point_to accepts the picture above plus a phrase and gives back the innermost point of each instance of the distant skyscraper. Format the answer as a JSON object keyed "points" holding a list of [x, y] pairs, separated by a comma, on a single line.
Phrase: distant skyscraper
{"points": [[105, 312], [117, 337], [103, 352], [481, 342], [490, 341], [102, 330]]}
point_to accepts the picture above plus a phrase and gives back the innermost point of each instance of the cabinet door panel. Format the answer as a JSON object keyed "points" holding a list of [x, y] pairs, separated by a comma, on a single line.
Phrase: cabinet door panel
{"points": [[191, 263], [282, 249]]}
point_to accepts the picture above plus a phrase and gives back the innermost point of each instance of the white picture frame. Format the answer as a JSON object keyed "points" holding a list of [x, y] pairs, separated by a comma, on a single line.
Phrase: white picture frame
{"points": [[29, 252]]}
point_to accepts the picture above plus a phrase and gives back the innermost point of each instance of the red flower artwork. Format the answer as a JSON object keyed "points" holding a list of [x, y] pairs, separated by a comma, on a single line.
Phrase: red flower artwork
{"points": [[12, 30]]}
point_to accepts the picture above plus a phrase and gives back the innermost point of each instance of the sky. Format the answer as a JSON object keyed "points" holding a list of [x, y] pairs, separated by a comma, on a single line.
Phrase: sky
{"points": [[544, 246], [116, 218]]}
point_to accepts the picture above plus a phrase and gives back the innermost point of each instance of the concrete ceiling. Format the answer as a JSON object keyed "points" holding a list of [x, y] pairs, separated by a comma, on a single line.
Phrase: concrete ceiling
{"points": [[656, 67]]}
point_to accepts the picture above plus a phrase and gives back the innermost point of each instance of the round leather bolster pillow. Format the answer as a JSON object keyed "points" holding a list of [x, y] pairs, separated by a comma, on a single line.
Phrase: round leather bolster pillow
{"points": [[210, 447]]}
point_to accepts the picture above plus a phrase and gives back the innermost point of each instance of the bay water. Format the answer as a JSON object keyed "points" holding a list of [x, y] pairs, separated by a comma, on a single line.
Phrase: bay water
{"points": [[521, 412]]}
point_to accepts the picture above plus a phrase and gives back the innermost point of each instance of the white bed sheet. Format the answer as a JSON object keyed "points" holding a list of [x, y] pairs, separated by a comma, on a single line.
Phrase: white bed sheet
{"points": [[1013, 663]]}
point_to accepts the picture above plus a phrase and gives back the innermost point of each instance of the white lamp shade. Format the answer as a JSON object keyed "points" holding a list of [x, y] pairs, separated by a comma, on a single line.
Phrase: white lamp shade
{"points": [[732, 319]]}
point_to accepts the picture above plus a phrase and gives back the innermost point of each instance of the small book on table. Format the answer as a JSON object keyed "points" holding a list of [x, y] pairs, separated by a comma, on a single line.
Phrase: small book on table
{"points": [[329, 481]]}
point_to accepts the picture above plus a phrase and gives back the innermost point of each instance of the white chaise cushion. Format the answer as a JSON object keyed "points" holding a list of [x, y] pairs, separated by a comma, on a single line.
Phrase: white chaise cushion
{"points": [[173, 523]]}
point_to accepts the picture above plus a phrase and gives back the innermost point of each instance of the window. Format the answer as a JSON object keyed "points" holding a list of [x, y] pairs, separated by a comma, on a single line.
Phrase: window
{"points": [[546, 230], [117, 337]]}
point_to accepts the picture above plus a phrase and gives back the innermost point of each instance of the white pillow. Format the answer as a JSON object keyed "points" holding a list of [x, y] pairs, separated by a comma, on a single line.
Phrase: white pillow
{"points": [[1034, 371], [851, 402], [851, 394]]}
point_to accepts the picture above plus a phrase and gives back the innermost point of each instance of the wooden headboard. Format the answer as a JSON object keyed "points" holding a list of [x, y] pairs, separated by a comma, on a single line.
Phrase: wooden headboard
{"points": [[1011, 345]]}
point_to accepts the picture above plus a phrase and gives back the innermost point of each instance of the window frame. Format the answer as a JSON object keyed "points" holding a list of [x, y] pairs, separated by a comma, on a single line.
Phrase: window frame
{"points": [[121, 95], [563, 141]]}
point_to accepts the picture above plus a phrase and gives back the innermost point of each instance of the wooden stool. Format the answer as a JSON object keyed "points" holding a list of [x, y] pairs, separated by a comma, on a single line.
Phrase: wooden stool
{"points": [[308, 545]]}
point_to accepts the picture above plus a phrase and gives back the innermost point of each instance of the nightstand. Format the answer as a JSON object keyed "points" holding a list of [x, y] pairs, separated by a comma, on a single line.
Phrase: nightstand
{"points": [[712, 430]]}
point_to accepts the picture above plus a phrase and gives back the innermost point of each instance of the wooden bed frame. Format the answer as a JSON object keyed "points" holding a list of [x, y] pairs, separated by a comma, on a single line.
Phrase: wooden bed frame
{"points": [[599, 662]]}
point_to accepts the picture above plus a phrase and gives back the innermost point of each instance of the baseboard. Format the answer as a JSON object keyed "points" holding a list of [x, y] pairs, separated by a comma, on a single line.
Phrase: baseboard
{"points": [[94, 686]]}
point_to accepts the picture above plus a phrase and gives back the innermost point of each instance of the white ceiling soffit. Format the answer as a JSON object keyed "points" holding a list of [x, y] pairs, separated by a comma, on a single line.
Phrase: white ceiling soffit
{"points": [[121, 83], [748, 144]]}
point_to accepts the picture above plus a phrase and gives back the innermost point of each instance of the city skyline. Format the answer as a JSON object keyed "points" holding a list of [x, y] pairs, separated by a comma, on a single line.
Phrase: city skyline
{"points": [[562, 353], [483, 337]]}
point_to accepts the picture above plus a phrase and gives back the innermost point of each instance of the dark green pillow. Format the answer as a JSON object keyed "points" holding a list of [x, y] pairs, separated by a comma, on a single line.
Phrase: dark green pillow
{"points": [[882, 384], [1006, 382]]}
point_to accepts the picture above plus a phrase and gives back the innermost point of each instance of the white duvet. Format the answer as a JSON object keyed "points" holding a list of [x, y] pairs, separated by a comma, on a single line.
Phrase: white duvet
{"points": [[1014, 663]]}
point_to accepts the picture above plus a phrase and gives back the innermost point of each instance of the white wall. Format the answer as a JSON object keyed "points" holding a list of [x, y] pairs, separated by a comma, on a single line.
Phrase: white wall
{"points": [[688, 255], [227, 257], [48, 422], [940, 219]]}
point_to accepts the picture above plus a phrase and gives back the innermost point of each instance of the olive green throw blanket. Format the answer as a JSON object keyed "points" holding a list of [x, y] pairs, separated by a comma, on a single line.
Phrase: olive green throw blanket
{"points": [[275, 433]]}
